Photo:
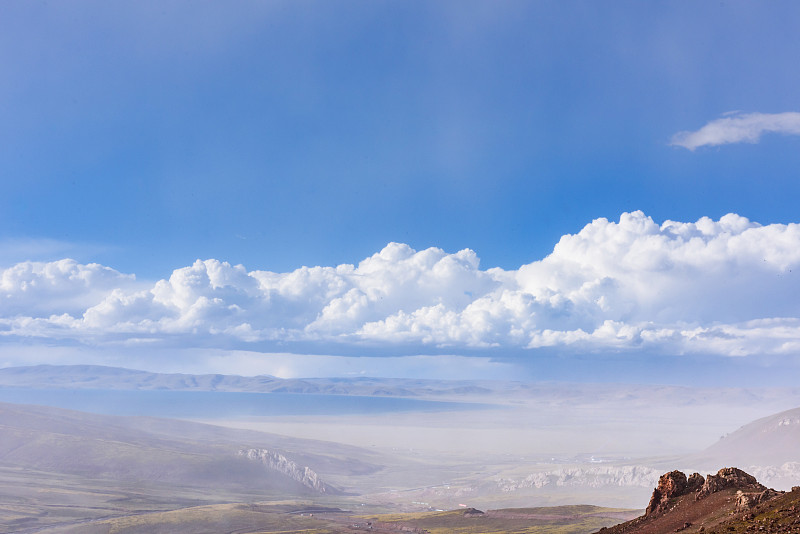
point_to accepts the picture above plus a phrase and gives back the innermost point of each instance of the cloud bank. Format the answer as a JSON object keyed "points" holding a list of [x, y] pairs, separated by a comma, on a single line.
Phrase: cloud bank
{"points": [[739, 128], [725, 287]]}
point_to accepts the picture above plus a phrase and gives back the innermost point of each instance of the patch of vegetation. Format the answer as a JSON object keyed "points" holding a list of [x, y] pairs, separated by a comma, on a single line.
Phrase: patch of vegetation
{"points": [[214, 519], [578, 519]]}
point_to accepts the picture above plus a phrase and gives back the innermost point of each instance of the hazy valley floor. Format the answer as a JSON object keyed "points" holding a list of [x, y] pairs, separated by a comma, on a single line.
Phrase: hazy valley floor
{"points": [[494, 446]]}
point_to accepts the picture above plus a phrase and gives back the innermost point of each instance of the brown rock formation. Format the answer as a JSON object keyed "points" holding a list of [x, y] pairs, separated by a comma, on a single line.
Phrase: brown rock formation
{"points": [[670, 485], [694, 482], [675, 484], [473, 512], [726, 503], [745, 501], [729, 477]]}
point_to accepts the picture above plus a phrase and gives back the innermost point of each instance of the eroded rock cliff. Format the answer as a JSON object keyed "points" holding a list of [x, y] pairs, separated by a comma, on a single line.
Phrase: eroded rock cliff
{"points": [[278, 462]]}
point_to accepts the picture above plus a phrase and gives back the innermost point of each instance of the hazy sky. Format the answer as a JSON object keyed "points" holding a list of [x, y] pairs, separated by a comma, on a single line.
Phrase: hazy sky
{"points": [[512, 180]]}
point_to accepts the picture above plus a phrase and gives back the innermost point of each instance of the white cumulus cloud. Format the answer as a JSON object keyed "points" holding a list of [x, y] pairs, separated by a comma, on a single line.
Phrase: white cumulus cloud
{"points": [[723, 287], [739, 128], [63, 286]]}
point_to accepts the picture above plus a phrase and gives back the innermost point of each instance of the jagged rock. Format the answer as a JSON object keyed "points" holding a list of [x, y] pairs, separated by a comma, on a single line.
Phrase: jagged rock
{"points": [[694, 482], [674, 484], [275, 460], [729, 477], [670, 485], [745, 501]]}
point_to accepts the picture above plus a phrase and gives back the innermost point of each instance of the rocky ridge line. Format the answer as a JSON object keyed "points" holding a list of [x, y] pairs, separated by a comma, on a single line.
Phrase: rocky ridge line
{"points": [[676, 484], [729, 502]]}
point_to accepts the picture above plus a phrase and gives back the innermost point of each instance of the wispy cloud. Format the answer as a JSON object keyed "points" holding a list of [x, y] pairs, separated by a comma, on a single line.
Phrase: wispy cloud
{"points": [[739, 127], [723, 287]]}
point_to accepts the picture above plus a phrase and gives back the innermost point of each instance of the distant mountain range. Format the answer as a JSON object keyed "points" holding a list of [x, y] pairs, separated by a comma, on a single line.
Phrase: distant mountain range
{"points": [[555, 393], [102, 377]]}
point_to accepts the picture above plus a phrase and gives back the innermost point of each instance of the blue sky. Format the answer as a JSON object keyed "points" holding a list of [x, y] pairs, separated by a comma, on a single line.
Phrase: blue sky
{"points": [[143, 136]]}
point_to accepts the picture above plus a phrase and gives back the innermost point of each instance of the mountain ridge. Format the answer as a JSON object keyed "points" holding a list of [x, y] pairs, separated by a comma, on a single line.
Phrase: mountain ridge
{"points": [[107, 377]]}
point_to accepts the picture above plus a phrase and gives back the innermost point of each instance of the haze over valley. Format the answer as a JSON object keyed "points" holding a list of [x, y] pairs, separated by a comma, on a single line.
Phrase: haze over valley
{"points": [[482, 444]]}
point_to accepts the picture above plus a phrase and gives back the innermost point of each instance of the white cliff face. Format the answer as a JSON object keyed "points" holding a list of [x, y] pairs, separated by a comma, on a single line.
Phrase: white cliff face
{"points": [[780, 476], [593, 477], [278, 462]]}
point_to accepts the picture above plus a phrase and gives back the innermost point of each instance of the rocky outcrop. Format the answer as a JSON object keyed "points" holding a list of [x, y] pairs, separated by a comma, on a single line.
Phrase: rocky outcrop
{"points": [[733, 501], [694, 482], [745, 501], [278, 462], [729, 477], [670, 485], [675, 484], [473, 512]]}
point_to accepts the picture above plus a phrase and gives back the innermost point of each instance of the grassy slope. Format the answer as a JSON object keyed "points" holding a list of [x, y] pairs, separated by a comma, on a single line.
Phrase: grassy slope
{"points": [[545, 520], [60, 466], [285, 518], [214, 519], [781, 515]]}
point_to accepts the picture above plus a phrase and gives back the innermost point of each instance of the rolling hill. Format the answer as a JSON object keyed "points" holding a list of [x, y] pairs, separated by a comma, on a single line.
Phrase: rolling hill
{"points": [[59, 464]]}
